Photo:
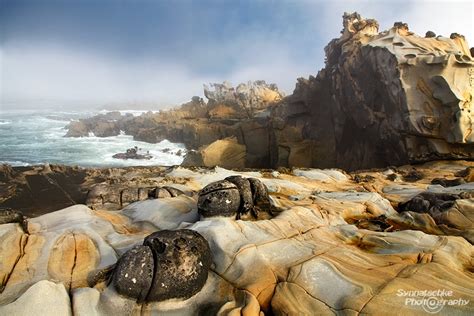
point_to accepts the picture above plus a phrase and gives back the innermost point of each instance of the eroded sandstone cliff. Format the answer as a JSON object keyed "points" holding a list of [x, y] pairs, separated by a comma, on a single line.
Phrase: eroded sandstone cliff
{"points": [[387, 98], [383, 98]]}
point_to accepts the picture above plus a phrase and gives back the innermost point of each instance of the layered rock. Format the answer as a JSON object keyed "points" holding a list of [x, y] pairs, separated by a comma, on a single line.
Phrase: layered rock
{"points": [[383, 98], [340, 242]]}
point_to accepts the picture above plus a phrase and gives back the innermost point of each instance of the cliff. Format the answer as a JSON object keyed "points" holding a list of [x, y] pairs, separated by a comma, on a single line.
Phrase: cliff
{"points": [[383, 98]]}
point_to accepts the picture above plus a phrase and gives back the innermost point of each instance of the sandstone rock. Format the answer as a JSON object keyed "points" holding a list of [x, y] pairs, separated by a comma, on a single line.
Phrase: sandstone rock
{"points": [[336, 245], [227, 153], [413, 76], [43, 298], [8, 215], [243, 101]]}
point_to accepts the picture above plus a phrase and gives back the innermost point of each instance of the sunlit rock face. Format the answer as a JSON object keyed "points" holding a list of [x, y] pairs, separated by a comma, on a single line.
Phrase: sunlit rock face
{"points": [[383, 98], [242, 101]]}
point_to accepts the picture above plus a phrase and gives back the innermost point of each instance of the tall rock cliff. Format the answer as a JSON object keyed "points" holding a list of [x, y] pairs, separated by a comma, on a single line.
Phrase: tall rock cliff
{"points": [[387, 98], [383, 98]]}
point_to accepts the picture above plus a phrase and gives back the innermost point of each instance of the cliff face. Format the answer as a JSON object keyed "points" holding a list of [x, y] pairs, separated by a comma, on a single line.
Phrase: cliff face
{"points": [[383, 98], [386, 98]]}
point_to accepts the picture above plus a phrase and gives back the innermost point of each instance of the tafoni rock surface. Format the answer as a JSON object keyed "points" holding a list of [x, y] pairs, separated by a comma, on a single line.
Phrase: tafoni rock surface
{"points": [[383, 98], [334, 243]]}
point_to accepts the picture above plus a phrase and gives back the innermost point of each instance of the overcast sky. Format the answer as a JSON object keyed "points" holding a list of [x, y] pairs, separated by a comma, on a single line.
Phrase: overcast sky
{"points": [[163, 51]]}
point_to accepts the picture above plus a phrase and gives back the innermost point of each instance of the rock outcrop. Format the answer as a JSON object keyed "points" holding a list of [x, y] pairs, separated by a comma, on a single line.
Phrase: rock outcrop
{"points": [[356, 243], [383, 99]]}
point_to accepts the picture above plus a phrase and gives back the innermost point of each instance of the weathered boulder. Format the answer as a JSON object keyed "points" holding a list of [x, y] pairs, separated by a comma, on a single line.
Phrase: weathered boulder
{"points": [[221, 198]]}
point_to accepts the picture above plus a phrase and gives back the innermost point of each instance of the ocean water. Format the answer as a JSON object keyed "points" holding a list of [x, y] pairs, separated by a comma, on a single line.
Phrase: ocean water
{"points": [[31, 138]]}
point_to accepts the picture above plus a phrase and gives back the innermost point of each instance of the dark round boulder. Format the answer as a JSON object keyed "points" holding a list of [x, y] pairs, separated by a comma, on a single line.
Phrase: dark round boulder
{"points": [[182, 261], [220, 198], [245, 190], [133, 274], [430, 34]]}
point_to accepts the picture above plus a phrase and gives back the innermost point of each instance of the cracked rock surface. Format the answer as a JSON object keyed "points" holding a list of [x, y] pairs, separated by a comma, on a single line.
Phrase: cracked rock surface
{"points": [[341, 244]]}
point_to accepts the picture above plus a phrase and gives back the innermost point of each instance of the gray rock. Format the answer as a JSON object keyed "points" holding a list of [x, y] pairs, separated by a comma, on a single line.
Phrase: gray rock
{"points": [[182, 261], [133, 274], [220, 198], [245, 190]]}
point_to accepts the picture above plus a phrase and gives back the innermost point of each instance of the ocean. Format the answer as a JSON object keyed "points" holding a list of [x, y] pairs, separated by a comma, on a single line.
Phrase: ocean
{"points": [[32, 138]]}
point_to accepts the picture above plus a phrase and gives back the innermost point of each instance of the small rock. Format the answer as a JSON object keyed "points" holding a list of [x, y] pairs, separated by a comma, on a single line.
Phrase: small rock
{"points": [[430, 34], [413, 176], [448, 183], [173, 191]]}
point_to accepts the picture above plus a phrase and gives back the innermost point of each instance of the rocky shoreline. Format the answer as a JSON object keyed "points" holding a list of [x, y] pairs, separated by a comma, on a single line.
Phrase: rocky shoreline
{"points": [[383, 98], [257, 220], [335, 240]]}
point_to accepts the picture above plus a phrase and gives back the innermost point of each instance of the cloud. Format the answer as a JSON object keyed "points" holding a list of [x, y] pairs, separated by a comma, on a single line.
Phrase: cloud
{"points": [[284, 41]]}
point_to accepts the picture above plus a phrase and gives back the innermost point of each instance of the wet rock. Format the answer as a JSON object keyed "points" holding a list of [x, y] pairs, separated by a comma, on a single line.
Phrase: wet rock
{"points": [[134, 273], [448, 183], [133, 153], [220, 198], [182, 261]]}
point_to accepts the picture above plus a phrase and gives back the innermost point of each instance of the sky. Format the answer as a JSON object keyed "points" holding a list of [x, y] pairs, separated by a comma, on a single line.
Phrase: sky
{"points": [[161, 52]]}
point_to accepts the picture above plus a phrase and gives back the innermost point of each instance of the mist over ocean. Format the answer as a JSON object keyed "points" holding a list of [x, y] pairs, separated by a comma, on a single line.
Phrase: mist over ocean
{"points": [[31, 137]]}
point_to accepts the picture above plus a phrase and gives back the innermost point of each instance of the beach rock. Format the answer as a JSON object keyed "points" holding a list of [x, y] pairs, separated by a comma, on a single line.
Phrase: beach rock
{"points": [[132, 153], [220, 198], [134, 272], [245, 191], [227, 153], [42, 298], [448, 182], [427, 202], [182, 261], [334, 245]]}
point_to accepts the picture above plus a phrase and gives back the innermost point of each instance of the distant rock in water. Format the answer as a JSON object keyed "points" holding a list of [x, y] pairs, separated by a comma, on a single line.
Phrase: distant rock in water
{"points": [[132, 153]]}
